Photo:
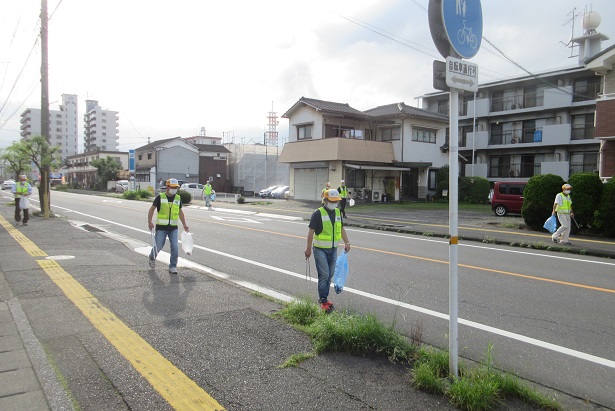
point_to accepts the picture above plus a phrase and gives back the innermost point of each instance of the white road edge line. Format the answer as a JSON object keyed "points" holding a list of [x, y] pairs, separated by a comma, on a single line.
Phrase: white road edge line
{"points": [[532, 341]]}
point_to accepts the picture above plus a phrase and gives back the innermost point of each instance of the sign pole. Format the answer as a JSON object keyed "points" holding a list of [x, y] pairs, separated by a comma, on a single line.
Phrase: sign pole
{"points": [[453, 215]]}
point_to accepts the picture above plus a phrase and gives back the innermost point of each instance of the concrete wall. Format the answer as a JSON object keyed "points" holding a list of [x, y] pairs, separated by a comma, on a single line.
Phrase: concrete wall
{"points": [[176, 162]]}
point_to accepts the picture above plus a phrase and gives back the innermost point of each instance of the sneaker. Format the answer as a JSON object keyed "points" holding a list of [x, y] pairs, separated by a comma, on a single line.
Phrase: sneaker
{"points": [[326, 306], [173, 270], [152, 263], [25, 223], [554, 240]]}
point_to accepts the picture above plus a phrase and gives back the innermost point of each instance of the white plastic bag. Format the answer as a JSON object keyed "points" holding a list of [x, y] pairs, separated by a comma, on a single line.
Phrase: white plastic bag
{"points": [[24, 203], [351, 202], [187, 243]]}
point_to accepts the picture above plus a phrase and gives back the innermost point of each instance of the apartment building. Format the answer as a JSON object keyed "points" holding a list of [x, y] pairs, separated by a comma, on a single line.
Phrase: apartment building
{"points": [[541, 124], [101, 128], [62, 125]]}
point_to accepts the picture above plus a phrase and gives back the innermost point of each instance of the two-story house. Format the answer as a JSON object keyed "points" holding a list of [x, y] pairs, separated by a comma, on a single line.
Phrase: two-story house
{"points": [[81, 173], [192, 159], [393, 150]]}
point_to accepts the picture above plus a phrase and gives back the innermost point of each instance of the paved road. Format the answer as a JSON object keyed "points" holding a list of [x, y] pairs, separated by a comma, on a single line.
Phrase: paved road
{"points": [[144, 313]]}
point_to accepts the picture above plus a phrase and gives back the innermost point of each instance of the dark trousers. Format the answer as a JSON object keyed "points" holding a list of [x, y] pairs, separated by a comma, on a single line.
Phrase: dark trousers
{"points": [[343, 206], [18, 210]]}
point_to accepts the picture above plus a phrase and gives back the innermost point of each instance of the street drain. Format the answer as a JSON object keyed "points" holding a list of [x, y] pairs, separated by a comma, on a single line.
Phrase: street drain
{"points": [[92, 229]]}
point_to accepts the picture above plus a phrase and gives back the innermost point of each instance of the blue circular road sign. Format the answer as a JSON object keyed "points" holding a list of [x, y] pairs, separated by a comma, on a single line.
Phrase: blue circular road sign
{"points": [[463, 22]]}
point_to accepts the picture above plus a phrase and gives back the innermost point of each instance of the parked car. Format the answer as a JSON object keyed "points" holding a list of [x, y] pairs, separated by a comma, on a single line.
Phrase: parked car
{"points": [[121, 186], [507, 198], [195, 189], [265, 192], [8, 184], [279, 192]]}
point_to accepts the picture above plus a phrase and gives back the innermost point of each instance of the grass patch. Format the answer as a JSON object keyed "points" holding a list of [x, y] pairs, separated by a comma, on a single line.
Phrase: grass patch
{"points": [[476, 389], [297, 359]]}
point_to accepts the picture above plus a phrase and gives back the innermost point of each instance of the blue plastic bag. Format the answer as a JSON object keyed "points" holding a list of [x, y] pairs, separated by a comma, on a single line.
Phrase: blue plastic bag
{"points": [[213, 196], [551, 224], [341, 272]]}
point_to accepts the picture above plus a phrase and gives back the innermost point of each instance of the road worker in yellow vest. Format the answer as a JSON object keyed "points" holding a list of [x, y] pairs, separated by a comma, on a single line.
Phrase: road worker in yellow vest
{"points": [[207, 192], [322, 195], [343, 190], [169, 207], [326, 230], [21, 189], [563, 208]]}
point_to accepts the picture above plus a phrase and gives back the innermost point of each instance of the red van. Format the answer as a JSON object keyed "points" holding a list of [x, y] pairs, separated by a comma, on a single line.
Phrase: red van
{"points": [[507, 198]]}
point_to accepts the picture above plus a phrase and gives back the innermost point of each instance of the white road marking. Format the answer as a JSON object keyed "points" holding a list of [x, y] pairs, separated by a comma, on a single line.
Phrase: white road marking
{"points": [[235, 219], [532, 341]]}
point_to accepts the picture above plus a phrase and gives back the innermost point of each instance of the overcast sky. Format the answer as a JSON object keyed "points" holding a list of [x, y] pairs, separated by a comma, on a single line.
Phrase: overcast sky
{"points": [[170, 68]]}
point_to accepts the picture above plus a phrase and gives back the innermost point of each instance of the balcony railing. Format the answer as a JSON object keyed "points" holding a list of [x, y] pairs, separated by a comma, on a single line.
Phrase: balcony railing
{"points": [[523, 136], [582, 132], [516, 102], [515, 170], [586, 92]]}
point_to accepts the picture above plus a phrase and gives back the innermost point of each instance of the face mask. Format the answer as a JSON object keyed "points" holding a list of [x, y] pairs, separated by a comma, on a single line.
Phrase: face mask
{"points": [[172, 191], [566, 191], [331, 206]]}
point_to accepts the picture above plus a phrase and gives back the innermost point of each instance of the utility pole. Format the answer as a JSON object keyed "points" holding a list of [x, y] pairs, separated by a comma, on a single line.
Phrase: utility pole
{"points": [[44, 183]]}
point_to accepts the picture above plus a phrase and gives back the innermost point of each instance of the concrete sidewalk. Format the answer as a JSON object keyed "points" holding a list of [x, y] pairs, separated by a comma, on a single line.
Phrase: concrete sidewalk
{"points": [[220, 334]]}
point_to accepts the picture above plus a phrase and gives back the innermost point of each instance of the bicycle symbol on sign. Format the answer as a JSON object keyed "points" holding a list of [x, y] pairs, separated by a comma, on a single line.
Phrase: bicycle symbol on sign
{"points": [[465, 34]]}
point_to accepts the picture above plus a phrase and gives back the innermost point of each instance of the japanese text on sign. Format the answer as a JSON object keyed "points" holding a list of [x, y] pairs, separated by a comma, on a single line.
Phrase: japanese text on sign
{"points": [[460, 67]]}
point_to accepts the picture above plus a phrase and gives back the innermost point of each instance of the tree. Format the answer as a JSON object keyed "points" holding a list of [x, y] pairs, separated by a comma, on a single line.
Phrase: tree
{"points": [[107, 170], [38, 151], [17, 161]]}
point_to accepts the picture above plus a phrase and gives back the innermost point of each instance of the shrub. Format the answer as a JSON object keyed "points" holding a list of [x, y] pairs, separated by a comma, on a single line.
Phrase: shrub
{"points": [[538, 198], [586, 194], [442, 179], [604, 217], [144, 193], [241, 200], [185, 196], [474, 190], [62, 187], [130, 195]]}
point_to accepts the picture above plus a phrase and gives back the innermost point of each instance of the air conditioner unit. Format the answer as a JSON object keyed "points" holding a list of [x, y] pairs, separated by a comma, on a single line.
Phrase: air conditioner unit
{"points": [[376, 196]]}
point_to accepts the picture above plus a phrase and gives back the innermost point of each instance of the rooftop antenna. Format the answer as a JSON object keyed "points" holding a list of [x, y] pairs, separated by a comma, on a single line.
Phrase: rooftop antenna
{"points": [[202, 133], [570, 44]]}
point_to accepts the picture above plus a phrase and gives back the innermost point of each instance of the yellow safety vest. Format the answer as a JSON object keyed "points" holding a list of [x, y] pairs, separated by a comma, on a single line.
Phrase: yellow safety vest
{"points": [[169, 213], [343, 192], [207, 189], [21, 189], [331, 235], [566, 205]]}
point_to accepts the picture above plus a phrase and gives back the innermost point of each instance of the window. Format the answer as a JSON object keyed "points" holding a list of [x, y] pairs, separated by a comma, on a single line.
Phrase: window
{"points": [[432, 179], [140, 156], [355, 178], [391, 133], [583, 162], [586, 89], [583, 126], [149, 156], [304, 132], [424, 135]]}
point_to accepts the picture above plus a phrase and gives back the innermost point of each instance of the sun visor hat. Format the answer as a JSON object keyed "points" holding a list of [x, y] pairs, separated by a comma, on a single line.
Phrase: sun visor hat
{"points": [[566, 187], [332, 195], [172, 182]]}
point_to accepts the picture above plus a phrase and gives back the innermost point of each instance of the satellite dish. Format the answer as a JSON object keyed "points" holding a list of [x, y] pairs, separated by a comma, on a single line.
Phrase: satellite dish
{"points": [[591, 21]]}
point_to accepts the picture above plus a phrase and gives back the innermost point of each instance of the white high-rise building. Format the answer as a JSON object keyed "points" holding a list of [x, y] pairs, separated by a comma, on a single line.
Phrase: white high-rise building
{"points": [[101, 128], [62, 125]]}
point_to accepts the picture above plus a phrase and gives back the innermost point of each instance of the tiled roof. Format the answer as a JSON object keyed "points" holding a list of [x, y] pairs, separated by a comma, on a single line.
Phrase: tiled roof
{"points": [[154, 144], [325, 106], [212, 148], [389, 110], [395, 109]]}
